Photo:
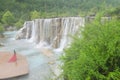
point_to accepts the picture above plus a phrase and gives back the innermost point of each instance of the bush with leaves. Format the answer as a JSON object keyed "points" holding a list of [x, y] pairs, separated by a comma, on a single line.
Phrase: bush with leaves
{"points": [[95, 55], [35, 15], [8, 18], [19, 24], [1, 28]]}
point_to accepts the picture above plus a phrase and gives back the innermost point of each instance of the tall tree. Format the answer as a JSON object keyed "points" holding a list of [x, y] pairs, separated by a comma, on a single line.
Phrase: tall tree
{"points": [[8, 18]]}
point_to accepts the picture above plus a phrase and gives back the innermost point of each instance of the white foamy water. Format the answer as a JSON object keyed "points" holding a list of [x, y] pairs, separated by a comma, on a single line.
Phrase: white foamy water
{"points": [[53, 32], [38, 63]]}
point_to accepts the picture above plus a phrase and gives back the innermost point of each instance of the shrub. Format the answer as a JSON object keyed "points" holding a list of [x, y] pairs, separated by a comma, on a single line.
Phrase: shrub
{"points": [[8, 18], [19, 24], [95, 55], [1, 28], [34, 15]]}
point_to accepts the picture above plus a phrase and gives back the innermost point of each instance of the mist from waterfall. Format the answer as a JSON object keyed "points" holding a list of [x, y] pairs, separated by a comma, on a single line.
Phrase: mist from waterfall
{"points": [[52, 32]]}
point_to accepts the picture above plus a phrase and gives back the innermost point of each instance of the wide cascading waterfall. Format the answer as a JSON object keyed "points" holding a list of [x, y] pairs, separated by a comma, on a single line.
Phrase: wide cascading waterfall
{"points": [[52, 32]]}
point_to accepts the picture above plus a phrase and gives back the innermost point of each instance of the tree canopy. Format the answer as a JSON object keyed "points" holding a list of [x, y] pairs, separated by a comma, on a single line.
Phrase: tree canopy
{"points": [[23, 9]]}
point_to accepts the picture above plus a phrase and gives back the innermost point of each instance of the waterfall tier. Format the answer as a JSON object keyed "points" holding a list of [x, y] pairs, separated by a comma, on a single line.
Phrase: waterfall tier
{"points": [[52, 32]]}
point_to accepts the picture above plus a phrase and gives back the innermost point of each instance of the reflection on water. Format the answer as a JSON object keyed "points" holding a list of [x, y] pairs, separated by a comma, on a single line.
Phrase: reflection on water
{"points": [[38, 63]]}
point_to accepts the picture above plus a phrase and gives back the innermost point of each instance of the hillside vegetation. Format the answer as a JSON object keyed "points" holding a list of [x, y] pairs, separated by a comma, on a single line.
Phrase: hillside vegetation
{"points": [[95, 55], [15, 12]]}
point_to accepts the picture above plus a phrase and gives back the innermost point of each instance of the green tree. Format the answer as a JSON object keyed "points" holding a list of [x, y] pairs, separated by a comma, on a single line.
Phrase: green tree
{"points": [[115, 12], [95, 55], [1, 28], [23, 7], [19, 24], [35, 15], [8, 18]]}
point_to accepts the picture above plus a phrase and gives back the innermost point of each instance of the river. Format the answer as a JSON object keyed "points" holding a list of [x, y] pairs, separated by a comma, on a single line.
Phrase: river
{"points": [[39, 67]]}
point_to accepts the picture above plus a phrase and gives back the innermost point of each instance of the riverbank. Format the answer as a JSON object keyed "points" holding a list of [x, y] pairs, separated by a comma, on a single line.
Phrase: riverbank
{"points": [[54, 62], [38, 63]]}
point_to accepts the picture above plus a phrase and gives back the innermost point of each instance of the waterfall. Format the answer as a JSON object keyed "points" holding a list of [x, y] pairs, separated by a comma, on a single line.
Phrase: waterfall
{"points": [[52, 32]]}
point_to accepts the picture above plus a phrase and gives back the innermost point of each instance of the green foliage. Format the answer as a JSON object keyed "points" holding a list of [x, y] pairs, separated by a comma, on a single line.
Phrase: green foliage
{"points": [[35, 15], [19, 24], [115, 12], [8, 18], [31, 9], [73, 7], [96, 54], [1, 28]]}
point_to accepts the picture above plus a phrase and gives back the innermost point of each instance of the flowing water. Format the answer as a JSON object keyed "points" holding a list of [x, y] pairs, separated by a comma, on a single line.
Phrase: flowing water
{"points": [[39, 68], [53, 32]]}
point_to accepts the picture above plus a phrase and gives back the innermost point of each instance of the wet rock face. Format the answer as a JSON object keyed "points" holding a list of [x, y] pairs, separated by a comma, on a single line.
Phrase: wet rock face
{"points": [[52, 32], [25, 32], [1, 44], [21, 34]]}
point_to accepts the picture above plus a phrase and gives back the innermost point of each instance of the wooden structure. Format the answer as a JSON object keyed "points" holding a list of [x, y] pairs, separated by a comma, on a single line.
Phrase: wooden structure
{"points": [[12, 66]]}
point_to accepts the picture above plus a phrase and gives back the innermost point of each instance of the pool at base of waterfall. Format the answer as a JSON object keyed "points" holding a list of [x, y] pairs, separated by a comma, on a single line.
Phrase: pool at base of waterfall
{"points": [[39, 69]]}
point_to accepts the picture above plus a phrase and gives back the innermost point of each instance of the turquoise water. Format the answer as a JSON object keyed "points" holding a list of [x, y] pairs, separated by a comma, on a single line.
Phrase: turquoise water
{"points": [[39, 68]]}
